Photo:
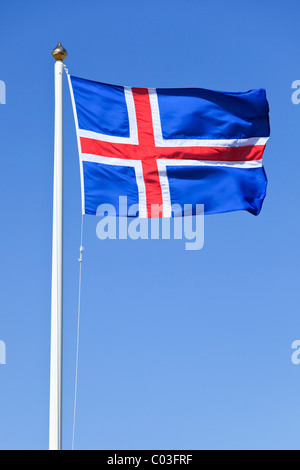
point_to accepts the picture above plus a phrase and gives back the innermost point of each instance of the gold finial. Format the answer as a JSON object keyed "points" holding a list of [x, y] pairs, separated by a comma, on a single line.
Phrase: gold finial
{"points": [[59, 53]]}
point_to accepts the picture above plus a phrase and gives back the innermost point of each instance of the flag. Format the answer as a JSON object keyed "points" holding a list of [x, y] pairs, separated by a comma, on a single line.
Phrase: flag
{"points": [[164, 148]]}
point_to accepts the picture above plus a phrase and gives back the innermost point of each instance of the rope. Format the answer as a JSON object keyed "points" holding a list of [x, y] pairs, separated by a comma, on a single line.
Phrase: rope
{"points": [[66, 69], [78, 330]]}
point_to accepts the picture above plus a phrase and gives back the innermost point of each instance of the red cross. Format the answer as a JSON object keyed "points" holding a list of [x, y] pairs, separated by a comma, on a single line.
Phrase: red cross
{"points": [[148, 153]]}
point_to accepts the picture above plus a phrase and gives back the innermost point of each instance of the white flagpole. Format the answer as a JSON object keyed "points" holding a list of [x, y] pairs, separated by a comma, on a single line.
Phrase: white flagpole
{"points": [[55, 414]]}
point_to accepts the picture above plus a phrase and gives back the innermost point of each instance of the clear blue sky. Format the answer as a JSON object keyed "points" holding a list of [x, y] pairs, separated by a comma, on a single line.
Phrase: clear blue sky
{"points": [[178, 350]]}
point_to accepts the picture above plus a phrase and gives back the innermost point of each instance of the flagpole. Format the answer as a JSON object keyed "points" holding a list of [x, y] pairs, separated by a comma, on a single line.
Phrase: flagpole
{"points": [[55, 412]]}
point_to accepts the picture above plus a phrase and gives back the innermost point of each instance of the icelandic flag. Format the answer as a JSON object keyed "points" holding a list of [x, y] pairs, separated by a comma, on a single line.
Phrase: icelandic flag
{"points": [[164, 148]]}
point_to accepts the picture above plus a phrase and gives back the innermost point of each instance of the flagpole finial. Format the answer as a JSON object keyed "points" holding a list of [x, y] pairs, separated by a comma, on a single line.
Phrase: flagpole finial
{"points": [[59, 53]]}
